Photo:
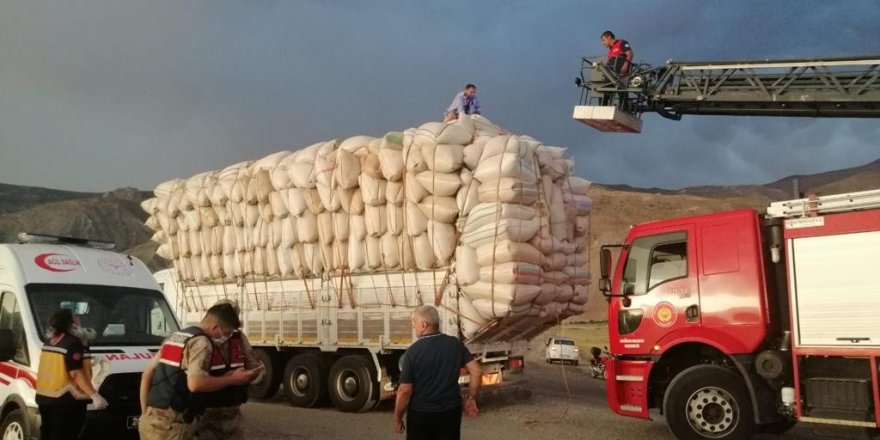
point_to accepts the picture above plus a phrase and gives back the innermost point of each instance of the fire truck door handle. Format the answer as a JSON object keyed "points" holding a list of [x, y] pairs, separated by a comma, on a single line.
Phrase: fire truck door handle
{"points": [[692, 313], [854, 340]]}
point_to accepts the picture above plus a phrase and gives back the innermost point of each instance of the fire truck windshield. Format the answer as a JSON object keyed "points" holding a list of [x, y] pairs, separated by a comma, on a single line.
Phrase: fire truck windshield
{"points": [[109, 315]]}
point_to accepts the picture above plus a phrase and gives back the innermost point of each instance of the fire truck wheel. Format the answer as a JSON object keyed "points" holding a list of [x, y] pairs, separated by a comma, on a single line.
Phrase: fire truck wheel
{"points": [[268, 384], [305, 380], [352, 384], [15, 427], [708, 402]]}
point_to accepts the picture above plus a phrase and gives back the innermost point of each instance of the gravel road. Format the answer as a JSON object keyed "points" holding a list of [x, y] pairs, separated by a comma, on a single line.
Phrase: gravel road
{"points": [[551, 413]]}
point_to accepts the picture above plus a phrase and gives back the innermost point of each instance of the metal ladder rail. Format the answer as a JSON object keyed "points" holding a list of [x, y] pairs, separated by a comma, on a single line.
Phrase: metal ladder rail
{"points": [[852, 78], [808, 207]]}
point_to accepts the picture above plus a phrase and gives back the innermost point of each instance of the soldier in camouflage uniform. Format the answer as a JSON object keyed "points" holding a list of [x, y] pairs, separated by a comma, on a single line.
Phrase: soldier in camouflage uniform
{"points": [[175, 384], [222, 418]]}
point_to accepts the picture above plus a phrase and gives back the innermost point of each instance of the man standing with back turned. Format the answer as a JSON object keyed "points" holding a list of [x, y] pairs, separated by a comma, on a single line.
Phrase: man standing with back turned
{"points": [[429, 393]]}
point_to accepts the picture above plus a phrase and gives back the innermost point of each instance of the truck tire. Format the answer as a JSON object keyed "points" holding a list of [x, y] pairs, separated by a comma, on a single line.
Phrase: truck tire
{"points": [[15, 426], [268, 386], [708, 402], [352, 384], [305, 380]]}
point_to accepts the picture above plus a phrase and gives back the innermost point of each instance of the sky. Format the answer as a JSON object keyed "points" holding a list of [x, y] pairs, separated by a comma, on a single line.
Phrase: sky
{"points": [[101, 94]]}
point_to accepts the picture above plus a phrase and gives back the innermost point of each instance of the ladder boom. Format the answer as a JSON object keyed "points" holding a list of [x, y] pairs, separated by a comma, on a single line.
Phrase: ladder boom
{"points": [[813, 206], [838, 87]]}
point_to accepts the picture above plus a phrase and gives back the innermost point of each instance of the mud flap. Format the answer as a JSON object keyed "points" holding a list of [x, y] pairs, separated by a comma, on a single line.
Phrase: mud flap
{"points": [[627, 383]]}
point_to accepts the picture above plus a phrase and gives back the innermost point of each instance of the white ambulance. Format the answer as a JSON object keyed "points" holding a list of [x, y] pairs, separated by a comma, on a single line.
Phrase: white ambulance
{"points": [[119, 305]]}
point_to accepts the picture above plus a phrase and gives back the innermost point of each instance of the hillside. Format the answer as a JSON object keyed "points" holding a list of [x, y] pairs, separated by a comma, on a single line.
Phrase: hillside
{"points": [[16, 198], [114, 216]]}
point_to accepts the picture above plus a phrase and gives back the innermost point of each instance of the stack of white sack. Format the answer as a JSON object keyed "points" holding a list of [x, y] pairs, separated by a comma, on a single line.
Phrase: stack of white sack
{"points": [[502, 213]]}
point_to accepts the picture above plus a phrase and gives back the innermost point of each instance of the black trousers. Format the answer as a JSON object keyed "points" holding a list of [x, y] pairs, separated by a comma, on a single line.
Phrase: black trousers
{"points": [[444, 425], [62, 422]]}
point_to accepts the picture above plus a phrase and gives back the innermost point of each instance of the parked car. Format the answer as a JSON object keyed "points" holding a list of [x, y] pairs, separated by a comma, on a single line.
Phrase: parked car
{"points": [[562, 350]]}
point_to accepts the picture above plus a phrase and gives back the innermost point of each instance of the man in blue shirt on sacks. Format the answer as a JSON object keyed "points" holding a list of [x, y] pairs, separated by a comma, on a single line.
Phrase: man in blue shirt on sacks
{"points": [[428, 392], [465, 102]]}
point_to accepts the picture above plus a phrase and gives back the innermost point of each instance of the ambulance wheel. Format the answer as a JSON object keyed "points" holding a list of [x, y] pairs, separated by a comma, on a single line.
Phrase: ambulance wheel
{"points": [[14, 427], [708, 402], [268, 384], [352, 384], [305, 381]]}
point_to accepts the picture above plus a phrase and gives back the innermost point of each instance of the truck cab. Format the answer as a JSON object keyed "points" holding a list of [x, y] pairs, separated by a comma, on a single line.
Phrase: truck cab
{"points": [[689, 295], [121, 309]]}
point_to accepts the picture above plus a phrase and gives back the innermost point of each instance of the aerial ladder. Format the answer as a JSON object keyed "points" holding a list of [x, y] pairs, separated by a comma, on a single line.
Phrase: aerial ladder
{"points": [[834, 87]]}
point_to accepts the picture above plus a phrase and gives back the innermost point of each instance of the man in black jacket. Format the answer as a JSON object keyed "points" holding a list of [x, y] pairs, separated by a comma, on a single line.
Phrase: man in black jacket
{"points": [[428, 392]]}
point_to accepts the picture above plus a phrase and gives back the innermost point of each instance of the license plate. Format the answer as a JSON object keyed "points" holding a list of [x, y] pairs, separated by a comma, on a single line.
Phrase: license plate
{"points": [[492, 379], [131, 422]]}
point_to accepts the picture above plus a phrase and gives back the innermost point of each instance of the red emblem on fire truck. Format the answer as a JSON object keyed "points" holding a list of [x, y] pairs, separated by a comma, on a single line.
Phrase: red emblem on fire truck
{"points": [[664, 314]]}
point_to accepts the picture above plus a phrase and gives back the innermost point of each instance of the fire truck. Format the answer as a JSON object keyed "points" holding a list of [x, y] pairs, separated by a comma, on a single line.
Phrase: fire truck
{"points": [[742, 322]]}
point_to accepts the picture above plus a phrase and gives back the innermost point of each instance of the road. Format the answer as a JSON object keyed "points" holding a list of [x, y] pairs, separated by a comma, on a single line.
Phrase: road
{"points": [[567, 404]]}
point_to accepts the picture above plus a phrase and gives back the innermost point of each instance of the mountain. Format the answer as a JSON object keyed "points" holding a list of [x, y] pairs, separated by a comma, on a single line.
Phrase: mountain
{"points": [[15, 198], [856, 179], [113, 216], [117, 215]]}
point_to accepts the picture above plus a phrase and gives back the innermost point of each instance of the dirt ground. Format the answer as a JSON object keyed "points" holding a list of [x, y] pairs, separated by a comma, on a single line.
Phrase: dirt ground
{"points": [[566, 405]]}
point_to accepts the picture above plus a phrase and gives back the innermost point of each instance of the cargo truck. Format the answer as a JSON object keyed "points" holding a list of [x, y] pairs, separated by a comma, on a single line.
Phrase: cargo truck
{"points": [[339, 339]]}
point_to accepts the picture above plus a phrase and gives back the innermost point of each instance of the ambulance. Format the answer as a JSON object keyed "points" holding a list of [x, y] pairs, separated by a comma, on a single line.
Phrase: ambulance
{"points": [[122, 311]]}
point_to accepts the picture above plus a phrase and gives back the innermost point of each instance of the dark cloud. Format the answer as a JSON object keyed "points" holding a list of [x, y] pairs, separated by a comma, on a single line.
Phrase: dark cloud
{"points": [[101, 94]]}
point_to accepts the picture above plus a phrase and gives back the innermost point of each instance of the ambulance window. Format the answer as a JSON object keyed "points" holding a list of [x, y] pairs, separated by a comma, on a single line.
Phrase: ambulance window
{"points": [[159, 326], [10, 318]]}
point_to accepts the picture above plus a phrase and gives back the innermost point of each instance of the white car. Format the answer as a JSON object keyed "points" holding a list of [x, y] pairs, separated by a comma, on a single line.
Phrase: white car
{"points": [[562, 350]]}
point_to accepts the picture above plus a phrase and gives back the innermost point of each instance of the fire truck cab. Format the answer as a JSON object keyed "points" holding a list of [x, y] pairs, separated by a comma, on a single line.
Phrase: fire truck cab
{"points": [[735, 323]]}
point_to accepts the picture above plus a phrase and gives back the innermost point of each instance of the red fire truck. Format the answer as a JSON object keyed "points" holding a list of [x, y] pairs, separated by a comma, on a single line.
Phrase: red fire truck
{"points": [[739, 322]]}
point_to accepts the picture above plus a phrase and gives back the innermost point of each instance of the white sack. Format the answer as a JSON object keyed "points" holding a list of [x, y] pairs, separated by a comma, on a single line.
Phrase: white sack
{"points": [[440, 184], [467, 269], [511, 273]]}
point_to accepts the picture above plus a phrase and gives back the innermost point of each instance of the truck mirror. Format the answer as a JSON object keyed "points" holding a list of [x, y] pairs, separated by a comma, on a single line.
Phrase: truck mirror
{"points": [[605, 263], [605, 286], [7, 345]]}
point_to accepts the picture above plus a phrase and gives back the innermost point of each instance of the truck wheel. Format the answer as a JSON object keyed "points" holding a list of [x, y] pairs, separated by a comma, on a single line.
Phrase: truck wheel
{"points": [[352, 384], [268, 385], [14, 427], [708, 402], [305, 380]]}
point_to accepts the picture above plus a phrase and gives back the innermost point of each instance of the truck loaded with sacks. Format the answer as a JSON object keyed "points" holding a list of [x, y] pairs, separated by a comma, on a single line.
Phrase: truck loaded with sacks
{"points": [[328, 249]]}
